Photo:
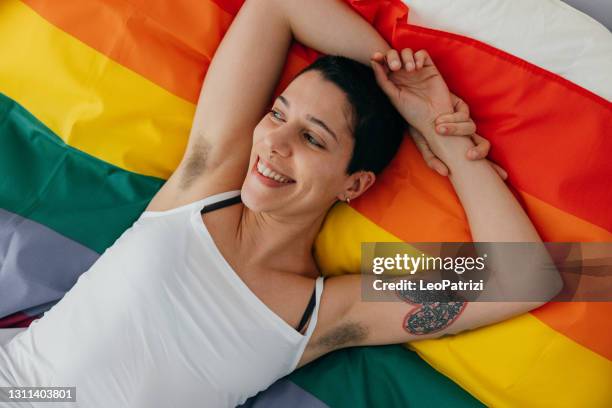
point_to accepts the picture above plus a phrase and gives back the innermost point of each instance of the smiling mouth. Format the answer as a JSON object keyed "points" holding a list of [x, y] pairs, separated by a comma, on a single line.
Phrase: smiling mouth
{"points": [[270, 174]]}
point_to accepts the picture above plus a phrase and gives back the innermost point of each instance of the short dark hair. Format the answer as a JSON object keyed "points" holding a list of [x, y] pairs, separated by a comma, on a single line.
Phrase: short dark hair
{"points": [[377, 126]]}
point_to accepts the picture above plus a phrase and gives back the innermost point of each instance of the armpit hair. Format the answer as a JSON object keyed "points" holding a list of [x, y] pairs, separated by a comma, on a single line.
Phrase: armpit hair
{"points": [[345, 335], [196, 162]]}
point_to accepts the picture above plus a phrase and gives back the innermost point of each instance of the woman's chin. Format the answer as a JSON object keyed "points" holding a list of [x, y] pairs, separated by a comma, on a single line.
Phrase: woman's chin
{"points": [[258, 198]]}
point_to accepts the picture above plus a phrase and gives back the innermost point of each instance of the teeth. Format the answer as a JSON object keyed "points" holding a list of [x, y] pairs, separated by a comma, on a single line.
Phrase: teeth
{"points": [[262, 169]]}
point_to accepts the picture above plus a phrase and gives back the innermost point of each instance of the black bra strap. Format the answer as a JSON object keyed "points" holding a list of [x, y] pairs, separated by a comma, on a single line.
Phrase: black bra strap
{"points": [[309, 309], [221, 204]]}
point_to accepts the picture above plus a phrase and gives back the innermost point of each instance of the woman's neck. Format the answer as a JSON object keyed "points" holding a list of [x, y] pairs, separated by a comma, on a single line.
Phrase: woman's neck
{"points": [[278, 242]]}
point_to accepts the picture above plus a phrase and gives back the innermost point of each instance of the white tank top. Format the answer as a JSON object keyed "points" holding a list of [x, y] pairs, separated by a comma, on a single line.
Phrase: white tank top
{"points": [[160, 320]]}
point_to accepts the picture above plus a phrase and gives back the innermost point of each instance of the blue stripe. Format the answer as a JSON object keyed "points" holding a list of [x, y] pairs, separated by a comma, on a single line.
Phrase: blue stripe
{"points": [[37, 265]]}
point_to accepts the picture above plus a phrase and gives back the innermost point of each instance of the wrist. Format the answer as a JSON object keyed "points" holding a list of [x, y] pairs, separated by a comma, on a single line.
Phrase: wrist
{"points": [[425, 120], [451, 150]]}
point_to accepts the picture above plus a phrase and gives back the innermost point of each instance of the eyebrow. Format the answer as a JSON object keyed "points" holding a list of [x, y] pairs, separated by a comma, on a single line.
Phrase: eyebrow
{"points": [[312, 119]]}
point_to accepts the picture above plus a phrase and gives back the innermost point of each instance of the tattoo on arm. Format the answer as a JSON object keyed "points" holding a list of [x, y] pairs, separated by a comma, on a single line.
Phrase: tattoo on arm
{"points": [[435, 311], [432, 317]]}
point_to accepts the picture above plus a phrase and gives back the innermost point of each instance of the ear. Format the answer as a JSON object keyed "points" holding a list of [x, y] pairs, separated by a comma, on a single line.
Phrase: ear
{"points": [[357, 184]]}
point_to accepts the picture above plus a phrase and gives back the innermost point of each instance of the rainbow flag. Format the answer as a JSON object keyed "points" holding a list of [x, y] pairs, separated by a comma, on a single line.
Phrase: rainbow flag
{"points": [[96, 103]]}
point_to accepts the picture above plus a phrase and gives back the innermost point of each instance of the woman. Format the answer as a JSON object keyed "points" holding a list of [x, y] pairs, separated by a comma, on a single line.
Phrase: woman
{"points": [[213, 293]]}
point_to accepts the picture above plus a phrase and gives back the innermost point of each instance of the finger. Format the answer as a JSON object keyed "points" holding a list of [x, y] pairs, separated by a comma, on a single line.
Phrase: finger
{"points": [[456, 129], [430, 159], [408, 59], [382, 78], [422, 145], [378, 56], [460, 105], [393, 60], [481, 150], [502, 173], [422, 59], [456, 117], [437, 165]]}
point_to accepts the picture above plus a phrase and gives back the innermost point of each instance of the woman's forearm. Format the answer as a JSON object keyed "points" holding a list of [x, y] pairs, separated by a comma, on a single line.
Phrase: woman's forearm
{"points": [[493, 212], [332, 27], [518, 271]]}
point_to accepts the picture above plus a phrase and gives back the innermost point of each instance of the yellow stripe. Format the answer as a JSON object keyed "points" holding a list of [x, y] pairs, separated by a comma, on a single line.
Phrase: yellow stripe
{"points": [[521, 362], [338, 248], [90, 101]]}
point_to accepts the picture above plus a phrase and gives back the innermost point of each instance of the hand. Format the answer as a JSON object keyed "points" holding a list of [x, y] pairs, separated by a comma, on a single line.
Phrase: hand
{"points": [[459, 123], [414, 85], [478, 152]]}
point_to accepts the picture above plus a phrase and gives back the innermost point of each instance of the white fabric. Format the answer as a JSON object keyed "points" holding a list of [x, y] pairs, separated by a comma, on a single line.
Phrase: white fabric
{"points": [[160, 320], [7, 334], [546, 33]]}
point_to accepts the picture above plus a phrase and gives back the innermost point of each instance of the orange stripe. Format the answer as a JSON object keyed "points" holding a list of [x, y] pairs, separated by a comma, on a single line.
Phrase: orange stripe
{"points": [[587, 323], [555, 225], [413, 202], [172, 48]]}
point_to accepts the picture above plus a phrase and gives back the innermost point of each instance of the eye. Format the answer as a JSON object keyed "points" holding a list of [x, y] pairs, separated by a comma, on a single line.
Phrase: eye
{"points": [[310, 139], [275, 114]]}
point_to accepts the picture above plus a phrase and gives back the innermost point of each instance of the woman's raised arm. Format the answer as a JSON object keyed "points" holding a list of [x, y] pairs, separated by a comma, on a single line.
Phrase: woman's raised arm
{"points": [[241, 79]]}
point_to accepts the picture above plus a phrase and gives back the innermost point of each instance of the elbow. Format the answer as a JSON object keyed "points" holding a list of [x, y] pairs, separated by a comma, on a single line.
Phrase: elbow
{"points": [[545, 282], [555, 287], [549, 289]]}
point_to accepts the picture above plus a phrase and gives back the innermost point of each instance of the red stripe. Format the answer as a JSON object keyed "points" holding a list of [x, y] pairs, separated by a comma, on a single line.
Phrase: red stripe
{"points": [[18, 319], [230, 6]]}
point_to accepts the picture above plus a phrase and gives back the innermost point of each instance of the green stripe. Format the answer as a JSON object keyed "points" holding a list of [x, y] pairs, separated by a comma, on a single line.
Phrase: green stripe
{"points": [[386, 376], [71, 192]]}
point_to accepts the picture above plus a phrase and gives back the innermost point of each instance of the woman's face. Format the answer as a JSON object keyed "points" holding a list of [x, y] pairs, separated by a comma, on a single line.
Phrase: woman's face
{"points": [[301, 149]]}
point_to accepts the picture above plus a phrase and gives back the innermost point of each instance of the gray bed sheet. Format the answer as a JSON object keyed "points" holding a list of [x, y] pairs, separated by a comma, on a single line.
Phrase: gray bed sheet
{"points": [[600, 10]]}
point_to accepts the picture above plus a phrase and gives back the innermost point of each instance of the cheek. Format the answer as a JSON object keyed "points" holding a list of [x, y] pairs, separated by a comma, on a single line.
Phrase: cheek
{"points": [[260, 130], [325, 173]]}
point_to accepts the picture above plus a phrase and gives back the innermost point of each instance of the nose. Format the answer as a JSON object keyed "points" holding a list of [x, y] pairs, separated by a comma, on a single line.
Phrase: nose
{"points": [[278, 141]]}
